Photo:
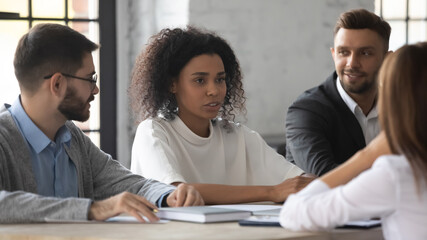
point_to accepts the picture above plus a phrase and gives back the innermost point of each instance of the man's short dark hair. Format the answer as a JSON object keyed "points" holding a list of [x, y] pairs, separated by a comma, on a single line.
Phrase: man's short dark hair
{"points": [[363, 19], [47, 49]]}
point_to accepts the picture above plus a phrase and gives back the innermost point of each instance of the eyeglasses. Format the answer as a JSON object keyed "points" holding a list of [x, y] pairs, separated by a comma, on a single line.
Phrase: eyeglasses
{"points": [[92, 79]]}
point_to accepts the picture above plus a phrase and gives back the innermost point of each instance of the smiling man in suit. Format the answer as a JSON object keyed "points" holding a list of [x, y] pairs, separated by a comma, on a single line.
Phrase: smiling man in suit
{"points": [[327, 124]]}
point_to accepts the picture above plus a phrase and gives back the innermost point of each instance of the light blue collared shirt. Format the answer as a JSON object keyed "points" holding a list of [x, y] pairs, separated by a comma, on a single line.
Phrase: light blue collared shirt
{"points": [[55, 173]]}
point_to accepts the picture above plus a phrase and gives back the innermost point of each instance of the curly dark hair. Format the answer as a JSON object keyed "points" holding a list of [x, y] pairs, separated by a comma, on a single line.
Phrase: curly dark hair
{"points": [[163, 59]]}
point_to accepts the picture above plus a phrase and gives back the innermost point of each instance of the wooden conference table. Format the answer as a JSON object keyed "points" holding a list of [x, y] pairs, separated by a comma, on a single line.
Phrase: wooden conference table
{"points": [[170, 230]]}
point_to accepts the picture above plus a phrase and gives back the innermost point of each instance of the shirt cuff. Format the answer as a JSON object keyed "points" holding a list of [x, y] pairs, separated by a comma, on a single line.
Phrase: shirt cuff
{"points": [[88, 208], [161, 202]]}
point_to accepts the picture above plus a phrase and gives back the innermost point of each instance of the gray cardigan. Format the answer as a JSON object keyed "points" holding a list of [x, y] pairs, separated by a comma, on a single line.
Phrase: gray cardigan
{"points": [[99, 177]]}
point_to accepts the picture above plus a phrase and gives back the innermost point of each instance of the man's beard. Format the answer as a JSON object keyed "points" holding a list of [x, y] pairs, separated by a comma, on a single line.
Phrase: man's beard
{"points": [[364, 87], [73, 108]]}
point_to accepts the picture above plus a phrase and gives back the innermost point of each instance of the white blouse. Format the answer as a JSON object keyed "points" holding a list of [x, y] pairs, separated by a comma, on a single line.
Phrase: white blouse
{"points": [[168, 151], [387, 190]]}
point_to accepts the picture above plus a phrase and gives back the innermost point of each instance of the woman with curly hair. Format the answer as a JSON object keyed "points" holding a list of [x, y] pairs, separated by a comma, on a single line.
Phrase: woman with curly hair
{"points": [[187, 88], [395, 187]]}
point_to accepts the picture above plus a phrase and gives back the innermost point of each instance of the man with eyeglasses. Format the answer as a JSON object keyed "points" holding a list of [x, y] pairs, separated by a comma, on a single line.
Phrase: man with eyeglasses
{"points": [[49, 169]]}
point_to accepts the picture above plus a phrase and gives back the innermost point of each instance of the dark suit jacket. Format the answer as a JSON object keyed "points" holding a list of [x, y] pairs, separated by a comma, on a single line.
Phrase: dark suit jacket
{"points": [[321, 131]]}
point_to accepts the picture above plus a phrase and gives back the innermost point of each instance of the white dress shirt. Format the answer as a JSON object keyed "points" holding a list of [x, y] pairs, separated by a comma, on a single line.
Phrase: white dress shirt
{"points": [[369, 124], [386, 190]]}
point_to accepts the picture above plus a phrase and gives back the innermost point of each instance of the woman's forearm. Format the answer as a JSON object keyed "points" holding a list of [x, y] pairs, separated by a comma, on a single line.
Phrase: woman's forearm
{"points": [[358, 163], [231, 194], [228, 194]]}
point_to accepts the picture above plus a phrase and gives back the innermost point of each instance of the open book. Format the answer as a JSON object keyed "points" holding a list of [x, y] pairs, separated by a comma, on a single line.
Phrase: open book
{"points": [[202, 214]]}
